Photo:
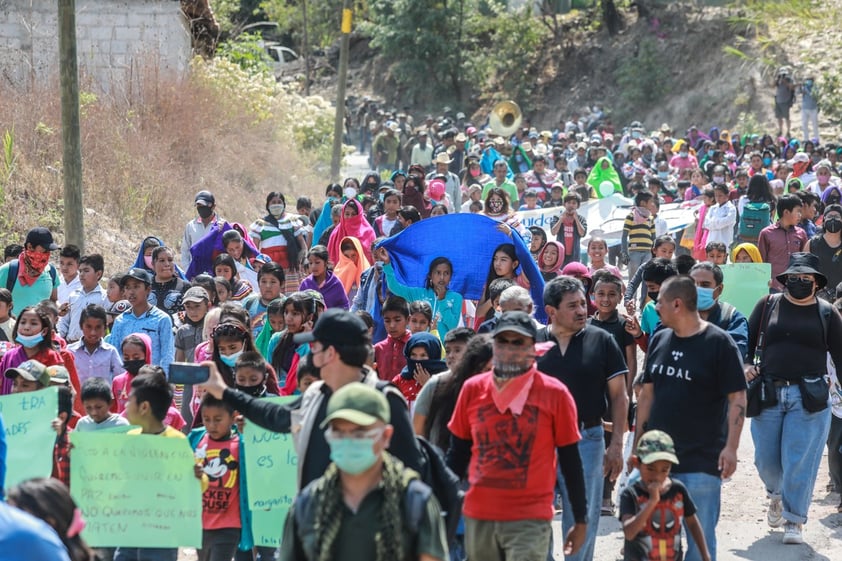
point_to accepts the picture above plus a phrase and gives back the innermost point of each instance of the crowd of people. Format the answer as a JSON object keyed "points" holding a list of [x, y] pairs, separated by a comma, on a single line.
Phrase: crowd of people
{"points": [[408, 395]]}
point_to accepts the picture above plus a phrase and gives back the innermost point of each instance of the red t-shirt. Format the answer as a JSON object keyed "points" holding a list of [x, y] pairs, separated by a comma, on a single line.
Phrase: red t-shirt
{"points": [[388, 354], [221, 463], [513, 459], [408, 387]]}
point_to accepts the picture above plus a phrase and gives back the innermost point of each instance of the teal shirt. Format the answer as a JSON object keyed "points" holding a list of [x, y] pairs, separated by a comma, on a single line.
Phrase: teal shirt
{"points": [[448, 310], [649, 318], [24, 296]]}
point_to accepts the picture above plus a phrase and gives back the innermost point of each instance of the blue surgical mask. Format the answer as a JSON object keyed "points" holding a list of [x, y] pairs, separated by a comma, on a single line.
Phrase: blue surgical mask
{"points": [[230, 360], [353, 455], [683, 154], [663, 174], [704, 298], [710, 153], [767, 161], [382, 197], [29, 340]]}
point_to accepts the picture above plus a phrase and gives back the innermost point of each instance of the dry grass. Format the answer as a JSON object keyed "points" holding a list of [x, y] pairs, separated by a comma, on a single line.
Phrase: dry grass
{"points": [[145, 154]]}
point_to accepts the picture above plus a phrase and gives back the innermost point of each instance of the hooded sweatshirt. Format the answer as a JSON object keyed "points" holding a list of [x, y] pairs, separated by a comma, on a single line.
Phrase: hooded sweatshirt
{"points": [[552, 271], [405, 381]]}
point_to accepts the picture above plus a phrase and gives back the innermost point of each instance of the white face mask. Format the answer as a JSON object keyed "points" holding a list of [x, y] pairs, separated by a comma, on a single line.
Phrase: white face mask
{"points": [[276, 210], [349, 192], [720, 179]]}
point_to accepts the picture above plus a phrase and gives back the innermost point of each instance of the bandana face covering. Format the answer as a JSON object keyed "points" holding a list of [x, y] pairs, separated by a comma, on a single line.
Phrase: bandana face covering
{"points": [[34, 263]]}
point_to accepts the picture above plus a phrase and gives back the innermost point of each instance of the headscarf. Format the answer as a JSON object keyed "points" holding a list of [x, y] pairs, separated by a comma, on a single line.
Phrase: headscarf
{"points": [[513, 162], [347, 271], [433, 364], [598, 176], [413, 192], [355, 227], [749, 248], [139, 262], [559, 262]]}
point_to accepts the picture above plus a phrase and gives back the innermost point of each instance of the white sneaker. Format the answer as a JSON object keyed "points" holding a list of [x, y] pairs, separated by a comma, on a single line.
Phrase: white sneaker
{"points": [[792, 533], [775, 514]]}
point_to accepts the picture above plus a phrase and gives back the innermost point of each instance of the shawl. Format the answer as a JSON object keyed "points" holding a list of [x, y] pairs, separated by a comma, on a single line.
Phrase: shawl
{"points": [[348, 272], [354, 227], [598, 176]]}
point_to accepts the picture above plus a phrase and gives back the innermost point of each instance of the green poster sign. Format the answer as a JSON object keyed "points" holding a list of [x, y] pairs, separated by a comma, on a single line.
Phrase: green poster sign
{"points": [[30, 437], [745, 284], [271, 466]]}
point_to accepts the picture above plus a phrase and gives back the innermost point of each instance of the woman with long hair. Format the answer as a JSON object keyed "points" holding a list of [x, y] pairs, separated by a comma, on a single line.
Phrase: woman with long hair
{"points": [[280, 235]]}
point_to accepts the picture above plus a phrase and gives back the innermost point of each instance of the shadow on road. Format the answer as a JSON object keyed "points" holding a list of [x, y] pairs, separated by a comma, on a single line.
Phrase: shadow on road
{"points": [[770, 547]]}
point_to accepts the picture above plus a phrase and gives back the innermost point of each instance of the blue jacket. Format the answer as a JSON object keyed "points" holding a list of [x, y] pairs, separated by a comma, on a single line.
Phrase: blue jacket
{"points": [[155, 323]]}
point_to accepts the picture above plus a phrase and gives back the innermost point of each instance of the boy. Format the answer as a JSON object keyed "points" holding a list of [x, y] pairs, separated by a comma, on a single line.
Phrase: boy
{"points": [[556, 196], [7, 322], [68, 266], [270, 282], [384, 223], [783, 238], [29, 376], [653, 507], [570, 227], [89, 292], [716, 253], [638, 232], [144, 318], [530, 199], [388, 353], [654, 275], [250, 374], [94, 357], [189, 334], [97, 399], [420, 316]]}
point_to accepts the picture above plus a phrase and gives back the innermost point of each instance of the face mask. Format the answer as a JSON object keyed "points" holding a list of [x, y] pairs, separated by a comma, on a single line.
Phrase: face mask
{"points": [[663, 174], [204, 211], [719, 179], [37, 259], [823, 179], [635, 135], [509, 370], [29, 340], [498, 314], [230, 360], [353, 455], [474, 173], [495, 206], [799, 289], [683, 154], [710, 153], [833, 225], [349, 192], [133, 366], [382, 198], [767, 161], [652, 296], [704, 298], [254, 391], [147, 260], [277, 210]]}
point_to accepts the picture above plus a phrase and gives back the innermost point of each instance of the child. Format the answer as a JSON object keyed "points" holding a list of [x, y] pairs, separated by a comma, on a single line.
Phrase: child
{"points": [[7, 322], [147, 407], [664, 247], [551, 260], [93, 356], [188, 336], [420, 317], [29, 376], [97, 399], [224, 266], [33, 331], [114, 292], [61, 448], [206, 281], [652, 509], [539, 240], [716, 253], [388, 353], [654, 275], [68, 266], [701, 235], [638, 236], [597, 250], [230, 340], [423, 359], [569, 227], [530, 199], [274, 323], [495, 290], [384, 223], [251, 374], [299, 316], [556, 195], [217, 450], [352, 263], [270, 283], [746, 253], [504, 264], [307, 374], [323, 280], [89, 292], [223, 290]]}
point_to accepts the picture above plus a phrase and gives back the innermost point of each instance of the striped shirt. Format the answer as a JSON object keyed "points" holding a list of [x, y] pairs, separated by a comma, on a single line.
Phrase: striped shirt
{"points": [[641, 237]]}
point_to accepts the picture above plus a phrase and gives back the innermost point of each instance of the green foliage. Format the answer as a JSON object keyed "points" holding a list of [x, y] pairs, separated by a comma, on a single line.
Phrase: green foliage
{"points": [[747, 123], [828, 93], [323, 19], [643, 79], [223, 11], [247, 52], [8, 164]]}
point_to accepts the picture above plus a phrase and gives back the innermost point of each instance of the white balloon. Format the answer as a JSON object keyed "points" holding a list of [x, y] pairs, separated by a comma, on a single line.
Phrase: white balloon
{"points": [[606, 189]]}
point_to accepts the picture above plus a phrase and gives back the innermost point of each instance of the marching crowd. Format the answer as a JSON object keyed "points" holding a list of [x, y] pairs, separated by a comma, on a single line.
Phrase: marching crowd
{"points": [[431, 425]]}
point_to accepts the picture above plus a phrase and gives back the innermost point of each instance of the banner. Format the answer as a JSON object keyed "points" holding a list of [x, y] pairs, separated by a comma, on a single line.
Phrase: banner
{"points": [[267, 526], [271, 465], [745, 284], [136, 490], [30, 437]]}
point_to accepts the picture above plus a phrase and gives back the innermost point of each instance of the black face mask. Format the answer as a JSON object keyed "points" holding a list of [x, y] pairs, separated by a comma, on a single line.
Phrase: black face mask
{"points": [[254, 391], [133, 366], [799, 289], [652, 296], [833, 225], [204, 211]]}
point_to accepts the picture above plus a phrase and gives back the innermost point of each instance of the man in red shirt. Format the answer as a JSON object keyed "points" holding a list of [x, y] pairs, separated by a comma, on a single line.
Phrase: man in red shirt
{"points": [[510, 424]]}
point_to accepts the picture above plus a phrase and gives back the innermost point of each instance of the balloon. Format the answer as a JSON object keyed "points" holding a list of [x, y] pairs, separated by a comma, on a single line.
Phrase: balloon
{"points": [[606, 189]]}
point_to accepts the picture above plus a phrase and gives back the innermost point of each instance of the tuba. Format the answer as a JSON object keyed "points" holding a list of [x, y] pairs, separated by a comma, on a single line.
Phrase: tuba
{"points": [[505, 118]]}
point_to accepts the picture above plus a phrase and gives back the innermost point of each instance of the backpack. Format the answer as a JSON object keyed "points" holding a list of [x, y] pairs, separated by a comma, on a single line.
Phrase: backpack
{"points": [[755, 217], [14, 266]]}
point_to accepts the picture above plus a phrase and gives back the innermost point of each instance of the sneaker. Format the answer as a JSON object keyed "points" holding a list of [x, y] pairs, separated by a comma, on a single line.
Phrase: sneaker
{"points": [[792, 533], [775, 514]]}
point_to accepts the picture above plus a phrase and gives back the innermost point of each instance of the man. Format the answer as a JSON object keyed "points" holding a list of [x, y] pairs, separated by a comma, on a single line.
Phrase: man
{"points": [[31, 278], [196, 229], [512, 299], [451, 180], [509, 423], [360, 508], [826, 247], [694, 387], [591, 364], [385, 148], [340, 345], [422, 152], [540, 178], [708, 278], [457, 155], [784, 98], [501, 171], [780, 240]]}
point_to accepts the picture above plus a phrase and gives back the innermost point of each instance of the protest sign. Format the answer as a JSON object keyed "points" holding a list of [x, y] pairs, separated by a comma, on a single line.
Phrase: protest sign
{"points": [[745, 284], [271, 466], [30, 436], [136, 490], [267, 526]]}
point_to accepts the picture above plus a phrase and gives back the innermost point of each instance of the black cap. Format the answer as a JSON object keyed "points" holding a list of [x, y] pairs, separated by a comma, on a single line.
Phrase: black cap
{"points": [[336, 327], [138, 274], [41, 237], [205, 198], [517, 322]]}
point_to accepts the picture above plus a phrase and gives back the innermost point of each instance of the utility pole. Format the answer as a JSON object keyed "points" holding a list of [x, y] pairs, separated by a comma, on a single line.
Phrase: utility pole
{"points": [[339, 123], [74, 228], [306, 49]]}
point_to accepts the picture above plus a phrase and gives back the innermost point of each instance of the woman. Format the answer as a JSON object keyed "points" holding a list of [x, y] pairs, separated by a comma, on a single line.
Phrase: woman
{"points": [[352, 223], [413, 192], [759, 191], [167, 287], [280, 235], [790, 333], [224, 266]]}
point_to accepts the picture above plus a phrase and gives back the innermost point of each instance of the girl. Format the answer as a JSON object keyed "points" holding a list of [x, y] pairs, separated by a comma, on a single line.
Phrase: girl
{"points": [[446, 304], [113, 293], [746, 253], [49, 499], [439, 210], [551, 259], [504, 265], [243, 255], [413, 191], [664, 247], [274, 323], [334, 195], [270, 281], [700, 239], [352, 263], [581, 272], [497, 208], [384, 223], [299, 313], [224, 266], [423, 359], [281, 236], [597, 250], [33, 331], [207, 282], [351, 224], [222, 288], [323, 280]]}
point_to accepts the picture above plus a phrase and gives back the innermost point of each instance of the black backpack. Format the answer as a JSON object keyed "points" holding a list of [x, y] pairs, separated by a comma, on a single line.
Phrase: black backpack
{"points": [[14, 267]]}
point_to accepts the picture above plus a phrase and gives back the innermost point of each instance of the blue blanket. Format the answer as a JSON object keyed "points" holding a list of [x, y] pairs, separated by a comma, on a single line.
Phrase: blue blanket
{"points": [[469, 241]]}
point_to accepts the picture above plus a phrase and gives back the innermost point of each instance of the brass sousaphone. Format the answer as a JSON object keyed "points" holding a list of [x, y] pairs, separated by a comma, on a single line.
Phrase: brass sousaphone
{"points": [[505, 118]]}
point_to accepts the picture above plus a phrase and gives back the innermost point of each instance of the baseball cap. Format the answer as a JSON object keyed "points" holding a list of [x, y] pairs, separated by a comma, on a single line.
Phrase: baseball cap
{"points": [[119, 307], [41, 237], [31, 370], [359, 404], [516, 322], [205, 198], [138, 274], [335, 327], [59, 376], [196, 294], [656, 445]]}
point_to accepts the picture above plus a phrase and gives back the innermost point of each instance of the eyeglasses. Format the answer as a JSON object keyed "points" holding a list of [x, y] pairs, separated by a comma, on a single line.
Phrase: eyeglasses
{"points": [[332, 435], [802, 278]]}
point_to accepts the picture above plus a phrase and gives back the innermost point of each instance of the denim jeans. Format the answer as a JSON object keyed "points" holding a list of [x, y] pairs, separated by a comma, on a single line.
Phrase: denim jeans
{"points": [[788, 446], [834, 454], [636, 260], [146, 554], [592, 451], [705, 490]]}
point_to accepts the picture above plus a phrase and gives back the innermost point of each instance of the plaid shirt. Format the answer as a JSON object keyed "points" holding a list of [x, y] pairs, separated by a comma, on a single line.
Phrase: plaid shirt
{"points": [[61, 458]]}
